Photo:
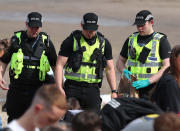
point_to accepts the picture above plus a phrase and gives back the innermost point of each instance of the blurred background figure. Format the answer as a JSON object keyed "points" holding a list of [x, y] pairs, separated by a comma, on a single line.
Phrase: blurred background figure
{"points": [[167, 122], [167, 92], [86, 121], [144, 123], [52, 128], [4, 44], [119, 112], [47, 108], [73, 109], [73, 104]]}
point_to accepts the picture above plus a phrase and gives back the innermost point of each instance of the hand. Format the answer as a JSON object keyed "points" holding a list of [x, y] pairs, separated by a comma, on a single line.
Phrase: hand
{"points": [[2, 85], [114, 95], [141, 83], [127, 74], [62, 91]]}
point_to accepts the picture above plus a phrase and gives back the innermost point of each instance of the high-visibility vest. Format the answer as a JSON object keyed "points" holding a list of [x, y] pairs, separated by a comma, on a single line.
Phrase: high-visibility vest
{"points": [[85, 73], [16, 64], [153, 62]]}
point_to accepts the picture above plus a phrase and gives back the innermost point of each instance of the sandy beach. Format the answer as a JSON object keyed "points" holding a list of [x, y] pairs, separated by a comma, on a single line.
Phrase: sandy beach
{"points": [[116, 17]]}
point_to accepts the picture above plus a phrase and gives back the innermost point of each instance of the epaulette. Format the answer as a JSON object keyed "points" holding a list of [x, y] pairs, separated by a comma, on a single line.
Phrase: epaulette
{"points": [[77, 34], [133, 34], [164, 35], [101, 39], [22, 31], [47, 41]]}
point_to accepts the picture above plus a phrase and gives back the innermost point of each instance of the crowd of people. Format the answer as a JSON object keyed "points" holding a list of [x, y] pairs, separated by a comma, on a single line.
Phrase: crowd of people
{"points": [[37, 100]]}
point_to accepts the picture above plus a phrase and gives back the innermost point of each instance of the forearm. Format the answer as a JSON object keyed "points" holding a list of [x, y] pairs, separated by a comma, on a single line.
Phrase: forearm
{"points": [[3, 67], [61, 61], [158, 75], [111, 76], [59, 76], [120, 64]]}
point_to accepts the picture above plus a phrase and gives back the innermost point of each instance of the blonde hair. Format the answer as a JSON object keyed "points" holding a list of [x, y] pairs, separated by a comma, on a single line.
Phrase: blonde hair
{"points": [[51, 96]]}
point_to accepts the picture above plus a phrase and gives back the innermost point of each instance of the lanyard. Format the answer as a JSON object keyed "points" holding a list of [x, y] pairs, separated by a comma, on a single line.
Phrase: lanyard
{"points": [[35, 41]]}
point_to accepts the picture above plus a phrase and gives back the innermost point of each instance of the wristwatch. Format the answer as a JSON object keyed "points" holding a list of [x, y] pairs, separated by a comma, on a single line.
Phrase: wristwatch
{"points": [[114, 91]]}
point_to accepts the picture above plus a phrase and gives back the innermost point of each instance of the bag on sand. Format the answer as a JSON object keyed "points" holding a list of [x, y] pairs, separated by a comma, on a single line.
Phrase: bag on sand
{"points": [[125, 87]]}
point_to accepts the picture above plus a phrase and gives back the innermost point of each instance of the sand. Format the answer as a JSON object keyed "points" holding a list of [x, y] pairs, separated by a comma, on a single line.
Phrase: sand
{"points": [[63, 16]]}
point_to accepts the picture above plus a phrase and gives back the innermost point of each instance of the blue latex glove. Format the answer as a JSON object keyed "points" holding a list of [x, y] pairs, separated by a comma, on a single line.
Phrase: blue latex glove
{"points": [[141, 83], [127, 74]]}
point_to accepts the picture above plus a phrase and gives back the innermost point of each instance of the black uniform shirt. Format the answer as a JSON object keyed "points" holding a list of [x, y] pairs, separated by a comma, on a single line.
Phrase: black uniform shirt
{"points": [[66, 48], [164, 46]]}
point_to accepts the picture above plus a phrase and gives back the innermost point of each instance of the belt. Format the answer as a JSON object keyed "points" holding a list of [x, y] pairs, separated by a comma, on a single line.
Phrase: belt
{"points": [[81, 84]]}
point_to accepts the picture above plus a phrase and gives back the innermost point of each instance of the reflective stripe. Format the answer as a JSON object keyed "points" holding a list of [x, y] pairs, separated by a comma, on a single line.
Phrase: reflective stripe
{"points": [[32, 67], [28, 58], [157, 36], [152, 64], [92, 76], [145, 75], [154, 42], [76, 46], [132, 38], [130, 63], [135, 34], [78, 75], [74, 74], [131, 41], [153, 49]]}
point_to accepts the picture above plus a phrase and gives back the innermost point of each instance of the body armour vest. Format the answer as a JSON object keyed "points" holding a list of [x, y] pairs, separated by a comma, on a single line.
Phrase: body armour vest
{"points": [[29, 69], [87, 71], [153, 61]]}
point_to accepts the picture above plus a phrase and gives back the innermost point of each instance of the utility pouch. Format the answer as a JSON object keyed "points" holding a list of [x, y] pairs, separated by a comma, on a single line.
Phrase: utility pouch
{"points": [[39, 50], [144, 54]]}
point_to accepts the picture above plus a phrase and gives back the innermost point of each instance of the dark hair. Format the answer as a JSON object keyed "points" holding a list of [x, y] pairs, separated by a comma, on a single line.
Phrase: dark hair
{"points": [[167, 122], [86, 121], [174, 54], [5, 43], [52, 128], [73, 104]]}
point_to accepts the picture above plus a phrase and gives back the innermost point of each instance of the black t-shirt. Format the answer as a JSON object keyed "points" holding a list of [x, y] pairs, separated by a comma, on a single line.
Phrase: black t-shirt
{"points": [[164, 46], [167, 94], [50, 50], [66, 48]]}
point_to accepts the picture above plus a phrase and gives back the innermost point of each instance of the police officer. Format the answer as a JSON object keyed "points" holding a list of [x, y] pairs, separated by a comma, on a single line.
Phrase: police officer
{"points": [[31, 55], [84, 54], [146, 53]]}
